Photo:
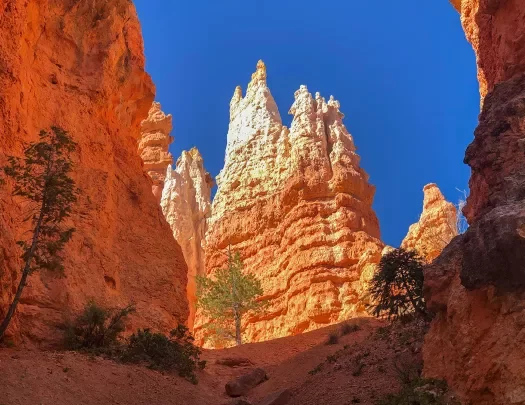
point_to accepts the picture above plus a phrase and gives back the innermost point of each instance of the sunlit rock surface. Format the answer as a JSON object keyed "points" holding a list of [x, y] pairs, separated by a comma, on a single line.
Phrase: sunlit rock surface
{"points": [[186, 205], [153, 146], [495, 30], [80, 66], [436, 227], [298, 207]]}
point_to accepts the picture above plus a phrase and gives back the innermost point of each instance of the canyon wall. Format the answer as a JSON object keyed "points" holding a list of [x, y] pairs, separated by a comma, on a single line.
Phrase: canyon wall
{"points": [[80, 65], [495, 30], [153, 146], [476, 286], [186, 204], [297, 206], [436, 226]]}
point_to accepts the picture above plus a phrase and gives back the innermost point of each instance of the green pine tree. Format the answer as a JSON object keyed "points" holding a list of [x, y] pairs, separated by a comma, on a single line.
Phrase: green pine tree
{"points": [[228, 296], [41, 180], [397, 287]]}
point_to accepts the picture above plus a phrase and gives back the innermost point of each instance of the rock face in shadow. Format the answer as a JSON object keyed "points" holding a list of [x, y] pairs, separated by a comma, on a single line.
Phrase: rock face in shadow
{"points": [[80, 66], [476, 286], [186, 205], [153, 146], [298, 207], [436, 226]]}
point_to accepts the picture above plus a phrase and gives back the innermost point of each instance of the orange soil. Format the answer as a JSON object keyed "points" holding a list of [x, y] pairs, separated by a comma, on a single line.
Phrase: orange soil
{"points": [[34, 377]]}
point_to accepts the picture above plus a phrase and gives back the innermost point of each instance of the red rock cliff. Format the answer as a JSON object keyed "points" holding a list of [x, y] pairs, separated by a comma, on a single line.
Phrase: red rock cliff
{"points": [[80, 65], [495, 30], [297, 206], [477, 285]]}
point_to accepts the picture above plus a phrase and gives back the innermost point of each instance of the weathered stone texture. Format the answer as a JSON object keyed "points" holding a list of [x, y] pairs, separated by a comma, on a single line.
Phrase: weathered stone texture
{"points": [[298, 207], [80, 66]]}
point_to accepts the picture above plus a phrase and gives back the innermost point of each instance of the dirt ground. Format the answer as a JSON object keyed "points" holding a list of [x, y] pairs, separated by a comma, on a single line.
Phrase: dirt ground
{"points": [[360, 368]]}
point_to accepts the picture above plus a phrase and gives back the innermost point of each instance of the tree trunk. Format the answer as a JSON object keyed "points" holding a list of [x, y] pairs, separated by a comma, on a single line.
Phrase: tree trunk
{"points": [[412, 300], [25, 274], [238, 337]]}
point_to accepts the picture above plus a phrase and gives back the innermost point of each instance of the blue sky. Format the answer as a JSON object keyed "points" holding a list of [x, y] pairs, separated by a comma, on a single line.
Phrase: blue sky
{"points": [[403, 72]]}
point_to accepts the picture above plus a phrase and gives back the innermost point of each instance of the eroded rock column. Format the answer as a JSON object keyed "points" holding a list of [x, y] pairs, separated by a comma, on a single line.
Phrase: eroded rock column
{"points": [[153, 146], [298, 207], [436, 227], [186, 206]]}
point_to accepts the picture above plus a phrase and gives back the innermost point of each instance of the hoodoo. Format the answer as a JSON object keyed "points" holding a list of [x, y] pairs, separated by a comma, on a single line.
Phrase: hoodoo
{"points": [[186, 205], [153, 146], [436, 227], [298, 207]]}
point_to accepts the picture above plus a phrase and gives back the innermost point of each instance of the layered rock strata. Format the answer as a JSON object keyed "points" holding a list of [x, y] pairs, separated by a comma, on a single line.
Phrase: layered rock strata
{"points": [[153, 146], [80, 66], [186, 204], [436, 227], [476, 286], [297, 206]]}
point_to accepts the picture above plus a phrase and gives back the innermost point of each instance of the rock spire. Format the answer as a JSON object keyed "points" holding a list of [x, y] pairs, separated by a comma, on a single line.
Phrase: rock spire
{"points": [[298, 207]]}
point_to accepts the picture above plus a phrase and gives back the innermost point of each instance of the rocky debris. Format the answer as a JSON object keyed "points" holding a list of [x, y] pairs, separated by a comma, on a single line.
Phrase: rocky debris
{"points": [[234, 362], [82, 65], [243, 384], [436, 226], [186, 204], [476, 286], [298, 207], [277, 398], [153, 146]]}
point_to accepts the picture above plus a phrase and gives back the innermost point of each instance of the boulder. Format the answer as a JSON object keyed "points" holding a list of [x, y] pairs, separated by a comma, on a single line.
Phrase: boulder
{"points": [[243, 384], [277, 398]]}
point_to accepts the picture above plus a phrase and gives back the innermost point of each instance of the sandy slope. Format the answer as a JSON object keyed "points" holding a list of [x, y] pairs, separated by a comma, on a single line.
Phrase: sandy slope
{"points": [[362, 372]]}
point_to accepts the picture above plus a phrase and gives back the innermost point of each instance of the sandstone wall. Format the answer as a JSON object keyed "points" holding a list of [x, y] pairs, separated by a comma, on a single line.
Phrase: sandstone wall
{"points": [[186, 205], [80, 65], [153, 146], [436, 226], [495, 30], [477, 285], [297, 206]]}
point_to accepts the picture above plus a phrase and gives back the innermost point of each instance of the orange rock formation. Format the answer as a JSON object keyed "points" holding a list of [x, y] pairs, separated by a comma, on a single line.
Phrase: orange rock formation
{"points": [[186, 205], [153, 146], [436, 226], [297, 206], [477, 285], [80, 65], [495, 30]]}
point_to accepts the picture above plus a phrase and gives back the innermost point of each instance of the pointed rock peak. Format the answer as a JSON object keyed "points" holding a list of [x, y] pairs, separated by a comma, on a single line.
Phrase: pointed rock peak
{"points": [[260, 72], [236, 99], [237, 95], [303, 101], [432, 196], [195, 153], [157, 120], [335, 106], [258, 77]]}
